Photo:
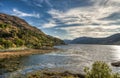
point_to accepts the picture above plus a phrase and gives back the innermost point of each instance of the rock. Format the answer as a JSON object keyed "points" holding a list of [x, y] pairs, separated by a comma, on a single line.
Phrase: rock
{"points": [[116, 64]]}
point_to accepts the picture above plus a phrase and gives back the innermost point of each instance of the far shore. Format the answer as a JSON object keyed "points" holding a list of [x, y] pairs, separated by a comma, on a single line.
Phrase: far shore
{"points": [[23, 52]]}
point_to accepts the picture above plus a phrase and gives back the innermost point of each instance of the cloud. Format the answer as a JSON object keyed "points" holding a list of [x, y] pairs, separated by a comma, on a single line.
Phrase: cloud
{"points": [[38, 3], [57, 37], [23, 14], [48, 2], [94, 18], [49, 24], [83, 15], [88, 15], [114, 16], [90, 31], [89, 21]]}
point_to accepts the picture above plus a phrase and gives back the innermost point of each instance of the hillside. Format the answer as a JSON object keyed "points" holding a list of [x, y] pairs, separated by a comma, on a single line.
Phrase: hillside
{"points": [[16, 32], [112, 40]]}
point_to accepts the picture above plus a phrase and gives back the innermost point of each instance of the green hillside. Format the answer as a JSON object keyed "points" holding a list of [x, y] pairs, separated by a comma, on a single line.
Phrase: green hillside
{"points": [[16, 32]]}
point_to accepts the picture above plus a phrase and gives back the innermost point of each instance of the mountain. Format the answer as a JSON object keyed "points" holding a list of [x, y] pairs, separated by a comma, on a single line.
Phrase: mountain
{"points": [[67, 41], [16, 32], [114, 39]]}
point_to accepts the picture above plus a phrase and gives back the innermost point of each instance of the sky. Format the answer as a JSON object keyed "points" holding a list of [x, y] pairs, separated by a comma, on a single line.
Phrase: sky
{"points": [[68, 19]]}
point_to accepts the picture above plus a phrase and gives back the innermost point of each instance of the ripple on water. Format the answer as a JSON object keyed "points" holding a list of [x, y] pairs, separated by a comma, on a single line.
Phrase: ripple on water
{"points": [[73, 57], [116, 53]]}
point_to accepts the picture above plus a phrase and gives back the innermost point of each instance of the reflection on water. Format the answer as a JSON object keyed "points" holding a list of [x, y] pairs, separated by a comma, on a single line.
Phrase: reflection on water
{"points": [[116, 53], [72, 57]]}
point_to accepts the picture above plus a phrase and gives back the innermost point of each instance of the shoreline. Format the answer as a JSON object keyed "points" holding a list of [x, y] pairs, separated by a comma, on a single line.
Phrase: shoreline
{"points": [[24, 52], [47, 74], [10, 60]]}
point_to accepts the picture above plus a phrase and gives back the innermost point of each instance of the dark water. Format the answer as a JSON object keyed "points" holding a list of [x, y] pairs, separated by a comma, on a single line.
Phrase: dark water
{"points": [[71, 57]]}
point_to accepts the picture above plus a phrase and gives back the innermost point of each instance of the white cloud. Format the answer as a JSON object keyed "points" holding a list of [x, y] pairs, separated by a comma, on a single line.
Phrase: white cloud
{"points": [[48, 2], [87, 17], [49, 24], [106, 2], [23, 14], [38, 3], [90, 31], [57, 36], [84, 15]]}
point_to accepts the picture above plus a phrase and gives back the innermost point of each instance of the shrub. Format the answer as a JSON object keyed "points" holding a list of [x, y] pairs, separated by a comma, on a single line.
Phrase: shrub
{"points": [[100, 70], [7, 44], [3, 25], [19, 42], [1, 47]]}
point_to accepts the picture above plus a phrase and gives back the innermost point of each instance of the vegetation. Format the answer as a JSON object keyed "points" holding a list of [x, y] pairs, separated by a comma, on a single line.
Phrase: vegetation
{"points": [[19, 42], [9, 65], [5, 43], [3, 25], [100, 70], [10, 36], [48, 74], [15, 32]]}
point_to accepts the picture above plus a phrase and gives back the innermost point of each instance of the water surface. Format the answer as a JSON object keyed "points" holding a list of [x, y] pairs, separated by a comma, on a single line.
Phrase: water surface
{"points": [[72, 57]]}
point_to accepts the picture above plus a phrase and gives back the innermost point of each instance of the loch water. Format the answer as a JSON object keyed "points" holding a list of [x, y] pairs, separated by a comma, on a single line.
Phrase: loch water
{"points": [[72, 57]]}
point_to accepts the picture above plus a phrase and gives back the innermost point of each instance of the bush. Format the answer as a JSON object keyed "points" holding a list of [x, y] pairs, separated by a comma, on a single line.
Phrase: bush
{"points": [[3, 25], [1, 47], [19, 42], [7, 44], [100, 70]]}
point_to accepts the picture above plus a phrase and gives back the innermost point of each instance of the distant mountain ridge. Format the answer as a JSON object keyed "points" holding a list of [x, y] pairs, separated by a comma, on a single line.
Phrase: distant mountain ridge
{"points": [[111, 40], [16, 32]]}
